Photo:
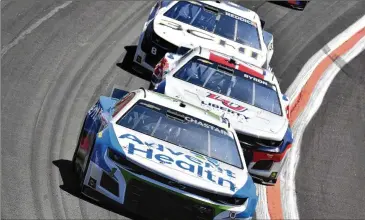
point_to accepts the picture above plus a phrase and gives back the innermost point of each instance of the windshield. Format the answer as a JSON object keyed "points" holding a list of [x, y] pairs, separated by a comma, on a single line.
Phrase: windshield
{"points": [[231, 83], [182, 130], [216, 21]]}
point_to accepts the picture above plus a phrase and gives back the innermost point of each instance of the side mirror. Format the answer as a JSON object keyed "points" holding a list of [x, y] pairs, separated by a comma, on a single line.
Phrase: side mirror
{"points": [[285, 98], [262, 23]]}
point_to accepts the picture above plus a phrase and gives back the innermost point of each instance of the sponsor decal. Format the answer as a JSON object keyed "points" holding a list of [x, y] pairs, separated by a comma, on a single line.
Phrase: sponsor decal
{"points": [[195, 163], [206, 125], [255, 79], [240, 18], [100, 134], [227, 103], [228, 106]]}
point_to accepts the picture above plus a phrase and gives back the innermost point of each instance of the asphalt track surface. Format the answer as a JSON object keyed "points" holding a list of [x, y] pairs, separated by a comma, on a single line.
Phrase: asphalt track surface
{"points": [[331, 172], [56, 70]]}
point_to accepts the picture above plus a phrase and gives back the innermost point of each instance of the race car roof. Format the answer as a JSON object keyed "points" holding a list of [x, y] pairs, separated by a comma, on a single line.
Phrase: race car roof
{"points": [[184, 107], [241, 65]]}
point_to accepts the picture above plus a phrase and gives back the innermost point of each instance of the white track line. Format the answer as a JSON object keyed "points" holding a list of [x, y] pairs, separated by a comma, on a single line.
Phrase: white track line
{"points": [[262, 211], [5, 49], [289, 202], [304, 74], [287, 178]]}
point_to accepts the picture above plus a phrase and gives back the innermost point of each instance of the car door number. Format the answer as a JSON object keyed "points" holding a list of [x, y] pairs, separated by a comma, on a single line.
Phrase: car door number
{"points": [[154, 50]]}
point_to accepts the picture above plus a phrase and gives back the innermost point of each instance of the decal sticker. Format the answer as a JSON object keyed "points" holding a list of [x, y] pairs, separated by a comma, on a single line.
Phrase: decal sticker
{"points": [[255, 79], [206, 125], [228, 107], [240, 18], [227, 103], [100, 134], [203, 167]]}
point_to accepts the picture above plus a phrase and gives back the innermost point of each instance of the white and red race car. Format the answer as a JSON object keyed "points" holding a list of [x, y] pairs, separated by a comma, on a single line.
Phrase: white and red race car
{"points": [[177, 26], [247, 95]]}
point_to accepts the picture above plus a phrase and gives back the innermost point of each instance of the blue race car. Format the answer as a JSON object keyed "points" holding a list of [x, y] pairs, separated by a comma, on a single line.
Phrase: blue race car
{"points": [[163, 159]]}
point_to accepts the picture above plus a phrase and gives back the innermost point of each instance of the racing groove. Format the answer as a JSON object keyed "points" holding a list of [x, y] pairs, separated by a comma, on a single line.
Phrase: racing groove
{"points": [[330, 182], [52, 76]]}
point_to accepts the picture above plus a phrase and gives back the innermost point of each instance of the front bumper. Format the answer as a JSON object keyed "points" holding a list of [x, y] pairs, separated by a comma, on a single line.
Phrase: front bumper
{"points": [[141, 194], [263, 170]]}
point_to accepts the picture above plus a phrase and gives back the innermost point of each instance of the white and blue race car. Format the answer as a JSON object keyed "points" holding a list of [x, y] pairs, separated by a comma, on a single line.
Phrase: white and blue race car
{"points": [[247, 95], [164, 159], [177, 26]]}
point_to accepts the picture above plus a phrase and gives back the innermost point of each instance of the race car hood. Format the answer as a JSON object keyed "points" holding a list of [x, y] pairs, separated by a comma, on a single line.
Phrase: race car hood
{"points": [[184, 35], [179, 164], [245, 118]]}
